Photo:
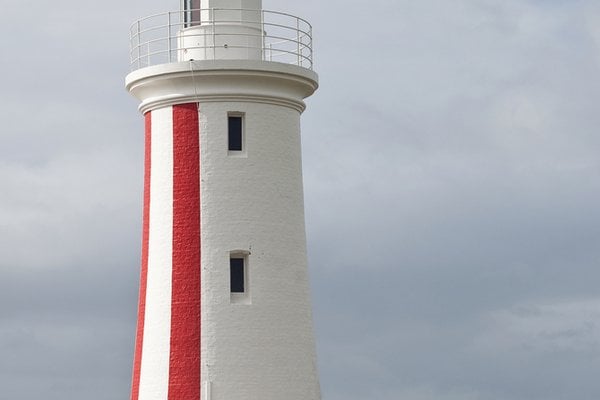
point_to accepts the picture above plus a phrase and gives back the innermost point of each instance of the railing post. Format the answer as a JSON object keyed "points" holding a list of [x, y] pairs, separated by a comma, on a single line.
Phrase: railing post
{"points": [[139, 44], [310, 49], [169, 59], [264, 35], [299, 63], [214, 43]]}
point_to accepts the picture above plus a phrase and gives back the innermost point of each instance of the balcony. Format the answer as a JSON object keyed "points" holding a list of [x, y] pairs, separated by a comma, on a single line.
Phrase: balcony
{"points": [[221, 34]]}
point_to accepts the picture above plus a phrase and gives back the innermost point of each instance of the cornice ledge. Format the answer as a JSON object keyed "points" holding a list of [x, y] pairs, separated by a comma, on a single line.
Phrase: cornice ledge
{"points": [[205, 68], [165, 101]]}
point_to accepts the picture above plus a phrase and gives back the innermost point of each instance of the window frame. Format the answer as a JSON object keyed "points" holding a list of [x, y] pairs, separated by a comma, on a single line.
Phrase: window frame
{"points": [[242, 133], [240, 297]]}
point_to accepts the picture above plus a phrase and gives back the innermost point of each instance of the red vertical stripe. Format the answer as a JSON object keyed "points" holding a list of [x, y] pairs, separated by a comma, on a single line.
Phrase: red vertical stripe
{"points": [[139, 341], [184, 366]]}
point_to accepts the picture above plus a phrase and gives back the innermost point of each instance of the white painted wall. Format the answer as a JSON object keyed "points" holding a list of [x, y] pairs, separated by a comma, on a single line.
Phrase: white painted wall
{"points": [[262, 350], [154, 373], [229, 30]]}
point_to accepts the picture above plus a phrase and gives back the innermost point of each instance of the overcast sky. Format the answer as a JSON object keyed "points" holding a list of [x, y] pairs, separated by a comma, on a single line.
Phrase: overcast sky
{"points": [[452, 183]]}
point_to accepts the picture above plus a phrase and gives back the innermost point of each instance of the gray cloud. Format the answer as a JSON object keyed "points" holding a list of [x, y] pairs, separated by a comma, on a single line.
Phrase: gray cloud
{"points": [[451, 182]]}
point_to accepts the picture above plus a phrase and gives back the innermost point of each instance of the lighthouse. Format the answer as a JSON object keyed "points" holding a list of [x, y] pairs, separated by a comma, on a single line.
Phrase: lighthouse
{"points": [[224, 303]]}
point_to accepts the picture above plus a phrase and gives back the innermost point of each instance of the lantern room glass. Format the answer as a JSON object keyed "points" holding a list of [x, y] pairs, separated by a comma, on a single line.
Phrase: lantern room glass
{"points": [[191, 12]]}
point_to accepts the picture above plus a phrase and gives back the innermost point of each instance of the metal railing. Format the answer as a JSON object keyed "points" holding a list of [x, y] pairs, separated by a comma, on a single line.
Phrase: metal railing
{"points": [[274, 36]]}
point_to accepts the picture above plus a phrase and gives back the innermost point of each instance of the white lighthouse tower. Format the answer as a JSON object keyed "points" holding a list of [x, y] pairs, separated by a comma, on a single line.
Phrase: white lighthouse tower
{"points": [[224, 306]]}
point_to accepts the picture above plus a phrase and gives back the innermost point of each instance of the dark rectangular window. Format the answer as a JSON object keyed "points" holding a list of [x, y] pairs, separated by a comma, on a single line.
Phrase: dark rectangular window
{"points": [[237, 275], [235, 132]]}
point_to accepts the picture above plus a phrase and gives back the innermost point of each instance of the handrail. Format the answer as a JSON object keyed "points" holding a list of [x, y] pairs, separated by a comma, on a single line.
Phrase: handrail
{"points": [[154, 39]]}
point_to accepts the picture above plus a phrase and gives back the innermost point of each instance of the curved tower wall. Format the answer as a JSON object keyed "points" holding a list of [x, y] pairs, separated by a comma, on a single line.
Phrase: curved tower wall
{"points": [[261, 340]]}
